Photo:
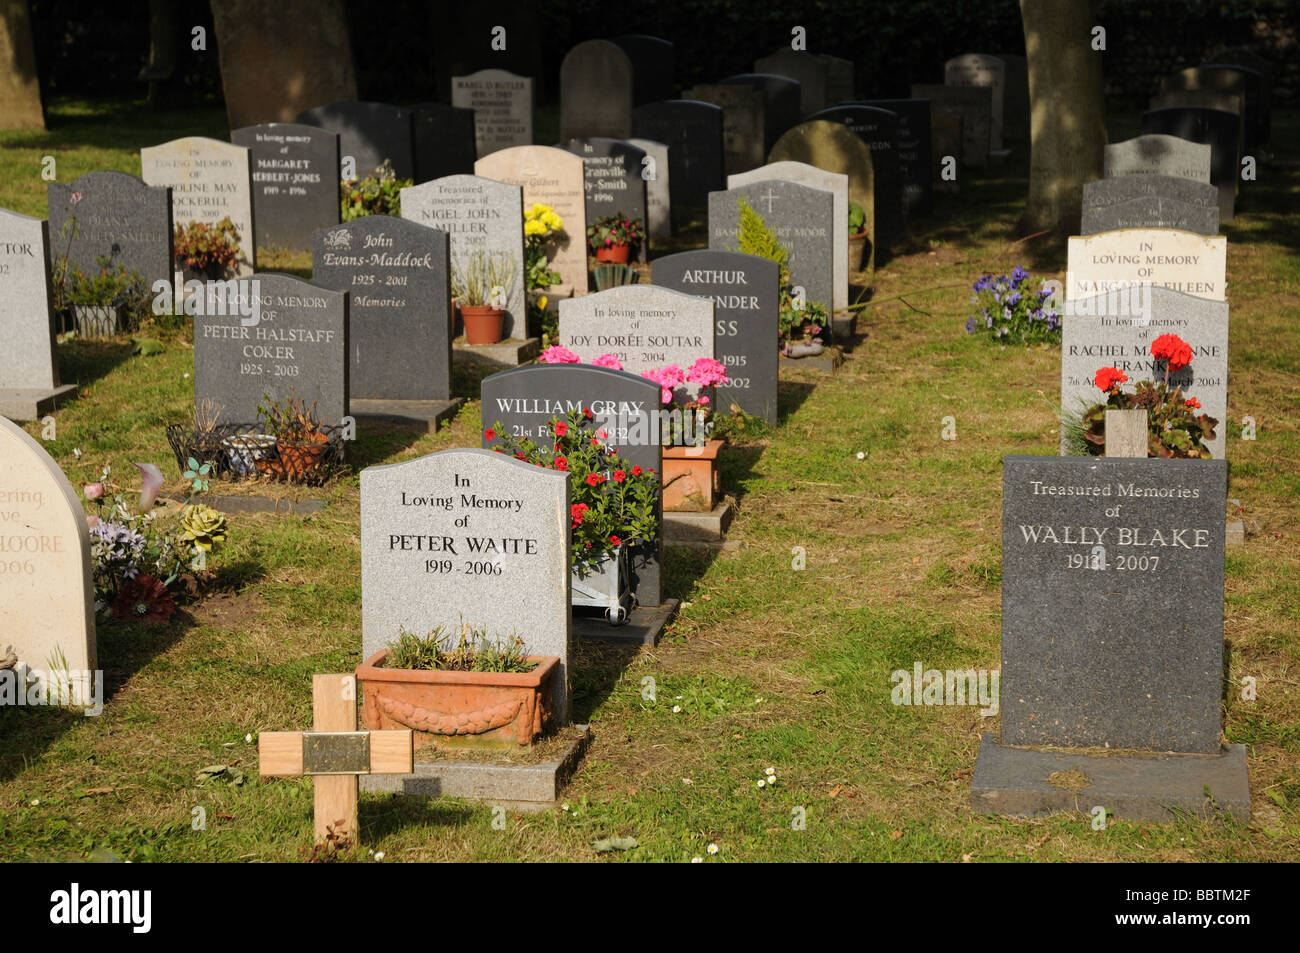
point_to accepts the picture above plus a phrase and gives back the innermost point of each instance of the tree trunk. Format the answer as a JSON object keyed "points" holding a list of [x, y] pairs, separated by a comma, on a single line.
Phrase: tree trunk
{"points": [[20, 88], [1067, 112]]}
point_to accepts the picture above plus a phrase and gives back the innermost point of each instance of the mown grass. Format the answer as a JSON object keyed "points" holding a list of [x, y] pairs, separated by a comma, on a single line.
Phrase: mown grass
{"points": [[771, 666]]}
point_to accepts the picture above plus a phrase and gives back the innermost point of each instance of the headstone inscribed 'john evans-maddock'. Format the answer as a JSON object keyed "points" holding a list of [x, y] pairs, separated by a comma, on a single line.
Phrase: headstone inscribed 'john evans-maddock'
{"points": [[595, 91], [1158, 155], [657, 189], [298, 342], [115, 216], [210, 181], [1150, 201], [1184, 261], [467, 537], [611, 171], [479, 215], [399, 309], [503, 108], [745, 291], [444, 141], [369, 133], [295, 182], [978, 69], [693, 133], [914, 151]]}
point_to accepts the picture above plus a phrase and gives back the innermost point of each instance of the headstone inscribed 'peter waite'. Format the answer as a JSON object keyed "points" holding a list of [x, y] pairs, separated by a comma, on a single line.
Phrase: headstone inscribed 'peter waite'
{"points": [[974, 104], [479, 215], [693, 133], [1150, 201], [444, 140], [595, 91], [914, 151], [878, 128], [808, 69], [612, 171], [467, 537], [369, 133], [978, 69], [743, 130], [298, 342], [210, 180], [503, 108], [117, 217], [399, 309], [1184, 261], [1158, 155], [295, 182], [658, 193], [781, 99]]}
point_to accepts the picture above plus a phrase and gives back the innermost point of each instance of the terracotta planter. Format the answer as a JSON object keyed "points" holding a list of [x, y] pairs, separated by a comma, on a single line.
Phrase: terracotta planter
{"points": [[857, 251], [474, 709], [692, 482], [617, 254], [296, 459], [482, 323]]}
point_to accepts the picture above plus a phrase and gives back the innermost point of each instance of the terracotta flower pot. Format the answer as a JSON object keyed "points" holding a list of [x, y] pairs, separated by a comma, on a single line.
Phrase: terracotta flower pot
{"points": [[301, 458], [482, 323], [474, 709], [857, 251], [617, 254], [692, 482]]}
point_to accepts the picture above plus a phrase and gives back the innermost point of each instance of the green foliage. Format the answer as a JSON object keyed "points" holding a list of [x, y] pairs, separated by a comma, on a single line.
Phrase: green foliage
{"points": [[755, 238], [1174, 429], [857, 219], [474, 651], [378, 194], [110, 287], [210, 250], [616, 229], [291, 420], [483, 278]]}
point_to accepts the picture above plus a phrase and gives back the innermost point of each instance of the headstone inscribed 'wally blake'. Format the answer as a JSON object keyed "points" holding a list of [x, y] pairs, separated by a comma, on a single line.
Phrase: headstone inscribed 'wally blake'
{"points": [[612, 173], [808, 69], [658, 195], [117, 217], [596, 91], [369, 133], [444, 139], [652, 66], [693, 133], [781, 99], [467, 537], [977, 69], [503, 108], [1158, 155], [1184, 261], [1150, 201], [743, 131], [295, 182]]}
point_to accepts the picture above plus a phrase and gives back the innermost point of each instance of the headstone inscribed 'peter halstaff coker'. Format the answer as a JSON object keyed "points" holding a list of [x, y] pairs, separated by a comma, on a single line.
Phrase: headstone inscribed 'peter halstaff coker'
{"points": [[595, 91], [503, 108], [116, 216], [1184, 261], [369, 133], [1150, 201], [468, 537], [612, 175], [295, 182]]}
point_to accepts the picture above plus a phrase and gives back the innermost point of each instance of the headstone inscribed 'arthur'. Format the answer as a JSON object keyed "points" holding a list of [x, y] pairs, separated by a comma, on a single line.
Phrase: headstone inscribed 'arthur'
{"points": [[295, 182], [657, 188], [210, 180], [369, 133], [596, 91], [878, 128], [503, 108], [974, 104], [1219, 130], [743, 112], [1184, 261], [652, 66], [915, 148], [117, 217], [612, 174], [29, 377], [808, 69], [977, 69], [479, 215], [551, 177], [467, 537], [399, 309], [444, 139], [1150, 201], [693, 133]]}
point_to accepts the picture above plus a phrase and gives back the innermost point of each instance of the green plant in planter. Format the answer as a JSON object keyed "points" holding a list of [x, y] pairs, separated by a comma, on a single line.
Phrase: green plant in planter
{"points": [[377, 194], [857, 219], [290, 421], [474, 651], [615, 229], [795, 325], [484, 279], [208, 250]]}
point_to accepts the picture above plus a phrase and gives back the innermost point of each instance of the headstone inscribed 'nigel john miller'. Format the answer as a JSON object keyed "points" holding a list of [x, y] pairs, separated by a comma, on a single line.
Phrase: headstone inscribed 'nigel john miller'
{"points": [[596, 91], [808, 69], [781, 100], [444, 139], [693, 133], [1158, 155], [1150, 201], [369, 133], [612, 173], [974, 104], [978, 69], [1184, 261], [295, 182], [743, 112], [658, 192], [503, 108], [116, 217], [914, 152]]}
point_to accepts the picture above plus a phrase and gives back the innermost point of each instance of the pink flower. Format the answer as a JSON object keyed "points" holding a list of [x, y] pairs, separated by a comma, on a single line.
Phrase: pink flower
{"points": [[559, 355], [151, 481], [608, 360], [703, 401], [707, 372], [93, 491]]}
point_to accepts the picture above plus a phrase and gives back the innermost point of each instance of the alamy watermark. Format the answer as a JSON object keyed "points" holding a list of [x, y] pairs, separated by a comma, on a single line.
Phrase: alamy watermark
{"points": [[55, 688], [968, 686], [238, 296]]}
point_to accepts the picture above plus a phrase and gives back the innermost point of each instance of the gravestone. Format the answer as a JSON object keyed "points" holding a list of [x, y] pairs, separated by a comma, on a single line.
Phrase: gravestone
{"points": [[1257, 96], [782, 100], [657, 189], [1237, 82], [1150, 201], [29, 379], [478, 215], [1218, 130], [116, 216], [949, 139], [47, 601], [295, 182], [468, 537], [596, 91], [1158, 155], [1116, 330], [369, 133], [693, 133], [399, 306], [811, 71], [300, 341], [612, 171], [524, 399], [444, 138], [974, 104], [914, 152], [652, 66], [746, 295], [840, 79], [878, 128], [503, 108], [835, 183], [550, 177], [977, 69], [1221, 100], [1015, 104], [801, 216], [209, 181], [1183, 261], [743, 133]]}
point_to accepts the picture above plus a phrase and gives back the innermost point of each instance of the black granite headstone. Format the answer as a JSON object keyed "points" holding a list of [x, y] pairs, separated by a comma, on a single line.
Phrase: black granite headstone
{"points": [[114, 216], [444, 141], [295, 182], [693, 133], [878, 128], [652, 67], [611, 172], [1212, 127], [369, 133], [914, 148]]}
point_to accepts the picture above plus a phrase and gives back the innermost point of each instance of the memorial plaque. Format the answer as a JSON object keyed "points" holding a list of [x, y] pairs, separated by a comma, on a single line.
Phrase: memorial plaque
{"points": [[115, 216], [369, 133], [295, 182], [693, 133], [503, 108], [1184, 261]]}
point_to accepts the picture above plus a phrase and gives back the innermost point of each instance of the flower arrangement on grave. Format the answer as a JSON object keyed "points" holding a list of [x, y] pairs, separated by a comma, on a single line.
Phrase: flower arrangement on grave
{"points": [[481, 285], [118, 290], [377, 194], [543, 228], [613, 237], [299, 438], [210, 251], [474, 651], [1012, 312], [799, 322], [1174, 428]]}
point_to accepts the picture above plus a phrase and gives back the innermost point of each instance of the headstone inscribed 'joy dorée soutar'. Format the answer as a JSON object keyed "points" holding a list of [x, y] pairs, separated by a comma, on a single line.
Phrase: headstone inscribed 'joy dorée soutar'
{"points": [[114, 216], [781, 101], [503, 108], [1150, 201], [658, 192], [1184, 261], [743, 128], [878, 128], [596, 91], [467, 537], [295, 182], [652, 66], [479, 215], [1219, 130], [1158, 155], [974, 104], [399, 307], [612, 175], [914, 152], [551, 177], [746, 296], [210, 181], [978, 69], [369, 133], [808, 69], [1116, 330], [693, 133], [299, 342]]}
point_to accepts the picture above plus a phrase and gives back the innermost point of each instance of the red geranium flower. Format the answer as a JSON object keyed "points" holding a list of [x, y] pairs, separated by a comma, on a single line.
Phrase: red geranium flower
{"points": [[619, 476], [1173, 349], [578, 511], [613, 451], [636, 471], [586, 412], [561, 463], [601, 434], [561, 428], [1108, 377], [1193, 402], [490, 434], [615, 540], [587, 545], [144, 599], [595, 443], [594, 479], [520, 456]]}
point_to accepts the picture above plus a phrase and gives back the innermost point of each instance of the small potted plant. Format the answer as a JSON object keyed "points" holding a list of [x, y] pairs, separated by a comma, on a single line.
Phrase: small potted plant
{"points": [[692, 481], [857, 236], [376, 194], [612, 238], [480, 692], [299, 440], [481, 286], [100, 302], [207, 251]]}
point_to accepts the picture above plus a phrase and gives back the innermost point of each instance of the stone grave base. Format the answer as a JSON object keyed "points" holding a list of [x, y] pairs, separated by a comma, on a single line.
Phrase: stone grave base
{"points": [[33, 404], [644, 626], [516, 787], [708, 527], [509, 353], [264, 504], [824, 363], [422, 413], [843, 326], [1136, 787]]}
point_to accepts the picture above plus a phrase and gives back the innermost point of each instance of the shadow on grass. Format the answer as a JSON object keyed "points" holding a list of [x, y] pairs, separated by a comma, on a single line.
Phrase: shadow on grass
{"points": [[378, 440], [790, 396], [596, 669], [81, 362]]}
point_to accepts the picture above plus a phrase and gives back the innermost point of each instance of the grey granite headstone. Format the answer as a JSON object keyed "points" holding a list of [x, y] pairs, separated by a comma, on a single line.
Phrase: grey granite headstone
{"points": [[295, 182], [1158, 155], [658, 193], [467, 537], [299, 342], [743, 113], [914, 152], [444, 138], [811, 71], [746, 295], [503, 108], [612, 175], [782, 101], [878, 128], [1129, 656], [478, 215], [652, 66], [369, 133], [693, 133], [979, 69], [974, 104], [399, 310], [1150, 201], [596, 91], [1015, 106], [116, 216], [1219, 130]]}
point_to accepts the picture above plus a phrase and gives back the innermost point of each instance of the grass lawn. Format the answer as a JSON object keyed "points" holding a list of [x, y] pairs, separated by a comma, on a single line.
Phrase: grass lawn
{"points": [[771, 667]]}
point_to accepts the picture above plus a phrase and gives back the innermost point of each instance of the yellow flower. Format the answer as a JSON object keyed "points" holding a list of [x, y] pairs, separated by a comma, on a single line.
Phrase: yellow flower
{"points": [[204, 526], [541, 302], [533, 227], [553, 221]]}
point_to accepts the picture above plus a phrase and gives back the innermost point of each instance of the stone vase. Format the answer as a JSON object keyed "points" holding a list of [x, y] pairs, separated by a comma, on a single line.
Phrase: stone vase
{"points": [[605, 583]]}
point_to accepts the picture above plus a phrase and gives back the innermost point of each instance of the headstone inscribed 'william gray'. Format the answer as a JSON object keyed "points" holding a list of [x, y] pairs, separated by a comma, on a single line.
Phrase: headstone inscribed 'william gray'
{"points": [[612, 175], [467, 537], [1184, 261], [878, 128], [781, 98], [1158, 155], [657, 189], [802, 218], [479, 215], [652, 66], [369, 133], [808, 69], [399, 309], [1150, 201], [746, 296], [550, 177], [693, 133], [974, 104], [295, 182], [210, 180], [444, 141], [117, 217], [1219, 130], [503, 108], [743, 112], [1128, 650], [977, 69], [1116, 330], [915, 148], [299, 342], [595, 91]]}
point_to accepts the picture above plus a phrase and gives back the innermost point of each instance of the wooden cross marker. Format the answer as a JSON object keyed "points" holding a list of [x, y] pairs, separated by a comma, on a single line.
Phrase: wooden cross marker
{"points": [[335, 754], [770, 197]]}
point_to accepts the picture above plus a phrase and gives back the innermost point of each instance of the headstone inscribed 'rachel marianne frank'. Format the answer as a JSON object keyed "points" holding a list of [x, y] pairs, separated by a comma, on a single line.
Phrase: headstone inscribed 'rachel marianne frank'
{"points": [[551, 177], [1219, 130], [369, 133], [658, 192], [1116, 330], [808, 69], [295, 182], [1126, 651], [693, 133], [210, 181], [399, 307], [914, 152], [746, 295], [974, 104], [595, 91], [1184, 261], [978, 69], [652, 66], [743, 130], [117, 217], [1158, 155], [299, 342], [878, 128], [467, 537], [444, 140], [503, 108], [478, 215], [1150, 201], [612, 175]]}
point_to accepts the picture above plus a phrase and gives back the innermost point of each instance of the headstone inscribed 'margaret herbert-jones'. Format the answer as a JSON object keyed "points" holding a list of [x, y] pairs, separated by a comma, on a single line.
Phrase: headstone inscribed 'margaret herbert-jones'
{"points": [[295, 182]]}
